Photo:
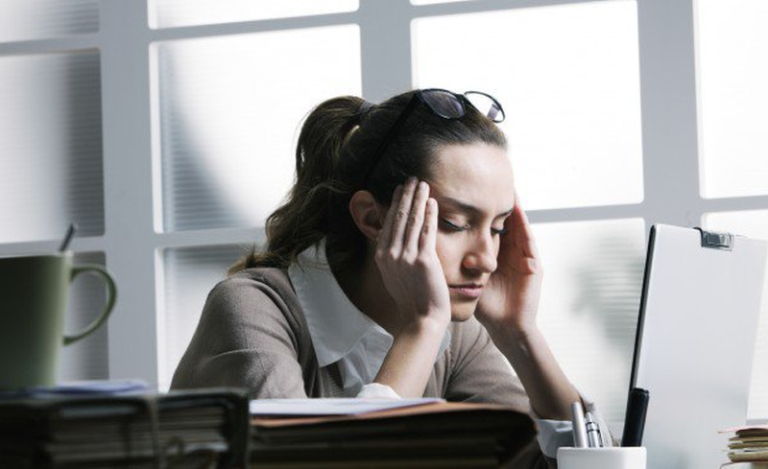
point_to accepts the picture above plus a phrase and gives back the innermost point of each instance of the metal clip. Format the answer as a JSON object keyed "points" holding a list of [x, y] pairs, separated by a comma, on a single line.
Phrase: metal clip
{"points": [[713, 240]]}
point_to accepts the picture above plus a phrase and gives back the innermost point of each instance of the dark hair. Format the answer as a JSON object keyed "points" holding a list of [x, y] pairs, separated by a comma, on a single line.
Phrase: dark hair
{"points": [[333, 157]]}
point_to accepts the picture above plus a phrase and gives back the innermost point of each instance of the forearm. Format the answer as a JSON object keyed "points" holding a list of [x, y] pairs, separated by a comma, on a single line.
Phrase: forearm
{"points": [[549, 390], [408, 364]]}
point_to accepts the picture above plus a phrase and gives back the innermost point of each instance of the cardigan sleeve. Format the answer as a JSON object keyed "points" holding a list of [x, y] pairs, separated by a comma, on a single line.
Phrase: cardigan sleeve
{"points": [[246, 337], [481, 373]]}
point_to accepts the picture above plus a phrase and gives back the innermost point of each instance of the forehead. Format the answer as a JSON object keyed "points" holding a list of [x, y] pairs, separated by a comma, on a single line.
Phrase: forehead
{"points": [[478, 174]]}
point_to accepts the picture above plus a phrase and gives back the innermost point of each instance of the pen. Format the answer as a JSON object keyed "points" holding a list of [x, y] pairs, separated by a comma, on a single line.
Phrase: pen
{"points": [[579, 428], [593, 432], [637, 407], [68, 237]]}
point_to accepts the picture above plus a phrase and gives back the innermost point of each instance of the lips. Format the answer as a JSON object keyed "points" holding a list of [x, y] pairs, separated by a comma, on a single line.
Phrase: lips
{"points": [[469, 290]]}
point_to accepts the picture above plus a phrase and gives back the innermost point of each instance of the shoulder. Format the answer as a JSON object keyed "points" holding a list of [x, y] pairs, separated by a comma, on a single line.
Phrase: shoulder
{"points": [[255, 286], [257, 293], [251, 334]]}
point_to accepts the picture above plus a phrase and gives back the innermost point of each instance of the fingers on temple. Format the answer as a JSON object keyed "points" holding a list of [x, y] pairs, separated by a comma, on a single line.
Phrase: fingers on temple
{"points": [[385, 235], [400, 217], [524, 233], [427, 240], [416, 220]]}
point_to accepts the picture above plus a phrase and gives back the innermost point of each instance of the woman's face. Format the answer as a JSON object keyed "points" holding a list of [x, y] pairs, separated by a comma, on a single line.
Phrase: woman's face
{"points": [[474, 189]]}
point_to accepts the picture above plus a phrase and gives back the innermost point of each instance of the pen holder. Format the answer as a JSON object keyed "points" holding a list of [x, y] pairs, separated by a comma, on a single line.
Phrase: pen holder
{"points": [[601, 458]]}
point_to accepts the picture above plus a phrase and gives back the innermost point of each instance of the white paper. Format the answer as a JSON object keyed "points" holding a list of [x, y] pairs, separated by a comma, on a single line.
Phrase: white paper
{"points": [[331, 406]]}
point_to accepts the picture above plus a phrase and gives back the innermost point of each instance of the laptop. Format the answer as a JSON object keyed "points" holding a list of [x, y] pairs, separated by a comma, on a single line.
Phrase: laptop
{"points": [[695, 341]]}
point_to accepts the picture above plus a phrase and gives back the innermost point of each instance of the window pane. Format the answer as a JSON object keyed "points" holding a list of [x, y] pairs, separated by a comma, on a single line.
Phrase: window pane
{"points": [[22, 20], [731, 39], [568, 78], [230, 110], [755, 225], [51, 144], [189, 274], [170, 13], [87, 358], [590, 303]]}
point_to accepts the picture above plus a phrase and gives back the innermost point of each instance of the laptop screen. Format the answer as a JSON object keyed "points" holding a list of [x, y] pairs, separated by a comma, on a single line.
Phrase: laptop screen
{"points": [[695, 342]]}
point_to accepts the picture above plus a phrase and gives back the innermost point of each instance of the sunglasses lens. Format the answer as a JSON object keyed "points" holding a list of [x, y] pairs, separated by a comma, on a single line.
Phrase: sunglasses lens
{"points": [[444, 104], [487, 106]]}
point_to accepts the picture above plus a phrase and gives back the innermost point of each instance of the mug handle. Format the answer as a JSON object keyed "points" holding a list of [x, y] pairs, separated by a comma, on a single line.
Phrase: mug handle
{"points": [[111, 297]]}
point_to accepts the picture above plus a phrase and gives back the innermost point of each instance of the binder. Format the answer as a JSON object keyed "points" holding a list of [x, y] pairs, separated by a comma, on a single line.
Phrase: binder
{"points": [[206, 428], [695, 341]]}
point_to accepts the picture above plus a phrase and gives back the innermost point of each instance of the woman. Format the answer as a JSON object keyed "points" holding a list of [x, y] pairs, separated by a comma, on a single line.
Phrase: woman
{"points": [[401, 265]]}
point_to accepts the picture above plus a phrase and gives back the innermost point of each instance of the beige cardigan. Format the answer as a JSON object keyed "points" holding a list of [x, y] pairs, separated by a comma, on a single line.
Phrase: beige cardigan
{"points": [[253, 334]]}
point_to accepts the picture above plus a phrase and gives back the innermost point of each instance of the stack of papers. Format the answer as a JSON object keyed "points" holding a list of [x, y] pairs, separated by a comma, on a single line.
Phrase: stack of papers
{"points": [[750, 444], [353, 433], [330, 406], [194, 429]]}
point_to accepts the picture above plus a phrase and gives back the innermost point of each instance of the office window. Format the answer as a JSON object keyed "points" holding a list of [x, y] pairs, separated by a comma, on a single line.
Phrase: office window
{"points": [[752, 223], [173, 13], [87, 358], [732, 44], [568, 73], [568, 78], [51, 142], [22, 20], [590, 302], [188, 275], [229, 118]]}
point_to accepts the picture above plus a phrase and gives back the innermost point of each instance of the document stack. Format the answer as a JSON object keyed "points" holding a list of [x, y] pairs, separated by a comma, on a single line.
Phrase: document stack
{"points": [[749, 445], [195, 429], [354, 433]]}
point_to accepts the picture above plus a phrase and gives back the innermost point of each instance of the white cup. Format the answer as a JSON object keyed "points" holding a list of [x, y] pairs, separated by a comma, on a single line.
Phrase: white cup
{"points": [[601, 458]]}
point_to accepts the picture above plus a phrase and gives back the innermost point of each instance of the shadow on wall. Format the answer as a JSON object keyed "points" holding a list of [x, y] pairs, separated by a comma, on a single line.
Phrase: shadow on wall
{"points": [[609, 299], [83, 146], [610, 294], [191, 200]]}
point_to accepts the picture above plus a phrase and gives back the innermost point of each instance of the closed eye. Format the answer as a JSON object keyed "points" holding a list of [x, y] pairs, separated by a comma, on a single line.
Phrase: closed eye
{"points": [[456, 228], [452, 226]]}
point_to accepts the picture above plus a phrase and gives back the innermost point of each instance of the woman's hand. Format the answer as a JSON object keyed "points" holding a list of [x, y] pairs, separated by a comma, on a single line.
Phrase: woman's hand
{"points": [[407, 258], [508, 307], [511, 297]]}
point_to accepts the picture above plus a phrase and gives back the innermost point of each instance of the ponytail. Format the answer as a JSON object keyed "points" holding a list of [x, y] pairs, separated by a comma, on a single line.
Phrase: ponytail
{"points": [[303, 219]]}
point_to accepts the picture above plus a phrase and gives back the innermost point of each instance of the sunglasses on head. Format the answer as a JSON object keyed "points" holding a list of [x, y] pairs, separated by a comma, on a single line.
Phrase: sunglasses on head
{"points": [[442, 103]]}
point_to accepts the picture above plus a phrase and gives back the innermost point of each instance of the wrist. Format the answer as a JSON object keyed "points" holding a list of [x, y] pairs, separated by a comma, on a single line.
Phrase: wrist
{"points": [[516, 330], [516, 343], [431, 324]]}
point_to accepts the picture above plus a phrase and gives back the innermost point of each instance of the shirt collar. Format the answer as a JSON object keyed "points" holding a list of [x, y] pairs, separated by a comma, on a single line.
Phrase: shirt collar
{"points": [[335, 324]]}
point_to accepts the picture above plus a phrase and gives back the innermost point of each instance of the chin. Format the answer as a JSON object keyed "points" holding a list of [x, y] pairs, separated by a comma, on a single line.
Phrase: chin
{"points": [[463, 311]]}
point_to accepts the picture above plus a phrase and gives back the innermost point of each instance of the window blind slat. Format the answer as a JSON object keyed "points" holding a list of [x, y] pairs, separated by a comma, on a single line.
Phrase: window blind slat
{"points": [[39, 19], [51, 142]]}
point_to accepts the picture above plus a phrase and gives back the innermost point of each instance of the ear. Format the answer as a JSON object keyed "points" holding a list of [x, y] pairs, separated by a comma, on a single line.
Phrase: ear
{"points": [[367, 214]]}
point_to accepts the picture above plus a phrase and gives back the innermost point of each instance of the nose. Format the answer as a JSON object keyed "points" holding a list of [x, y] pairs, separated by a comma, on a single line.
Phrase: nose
{"points": [[481, 256]]}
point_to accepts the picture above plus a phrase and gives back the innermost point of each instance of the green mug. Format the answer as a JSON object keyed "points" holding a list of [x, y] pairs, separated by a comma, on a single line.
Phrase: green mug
{"points": [[33, 300]]}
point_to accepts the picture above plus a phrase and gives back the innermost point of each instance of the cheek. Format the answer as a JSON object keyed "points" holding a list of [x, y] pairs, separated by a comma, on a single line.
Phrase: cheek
{"points": [[449, 252]]}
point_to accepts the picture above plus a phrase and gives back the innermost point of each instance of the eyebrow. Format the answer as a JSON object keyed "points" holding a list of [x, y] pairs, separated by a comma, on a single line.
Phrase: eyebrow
{"points": [[465, 207]]}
